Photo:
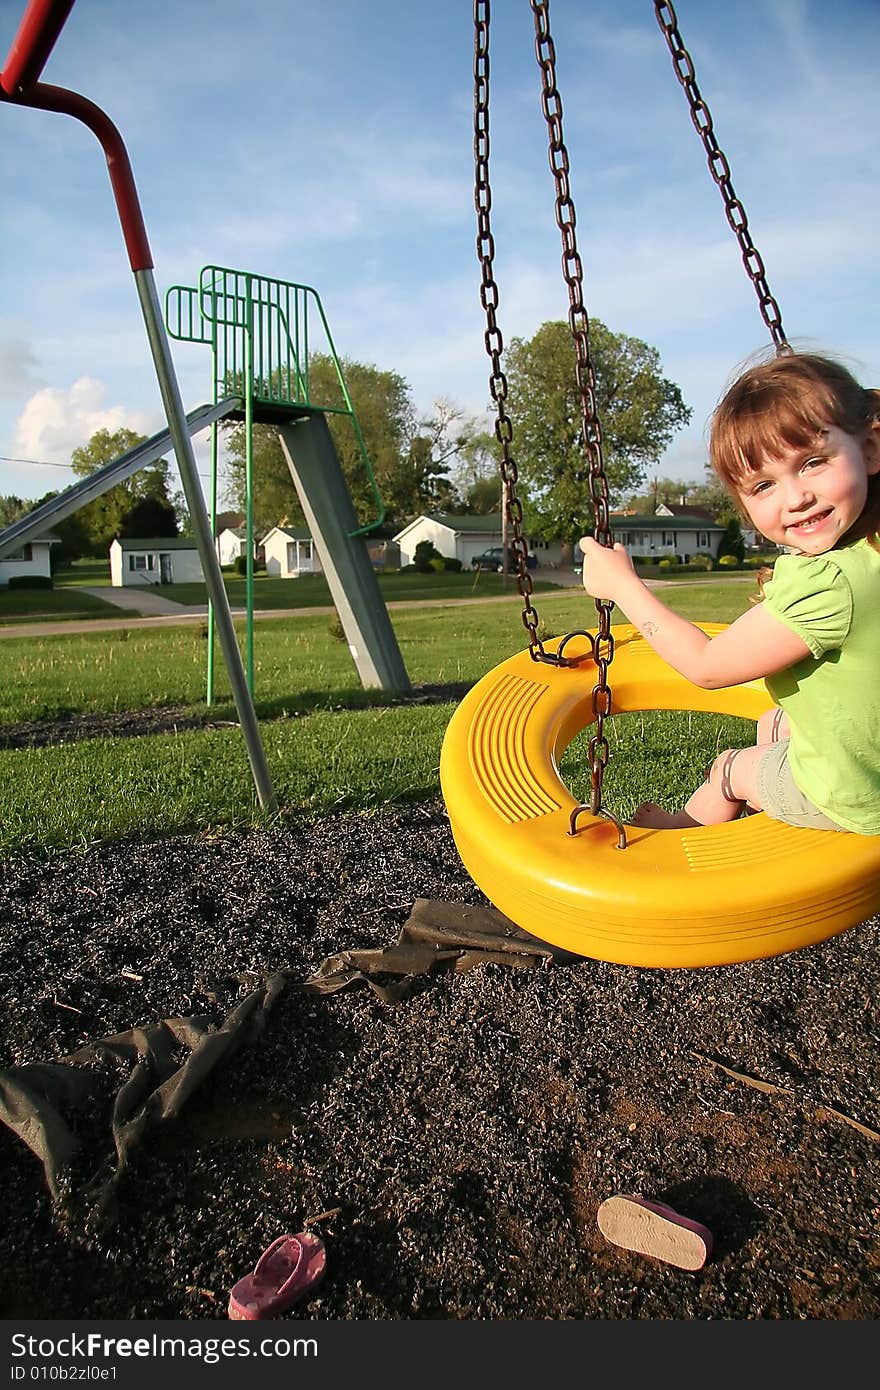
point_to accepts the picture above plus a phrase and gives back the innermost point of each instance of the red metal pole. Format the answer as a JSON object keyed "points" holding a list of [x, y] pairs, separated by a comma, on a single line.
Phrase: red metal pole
{"points": [[40, 26], [46, 98]]}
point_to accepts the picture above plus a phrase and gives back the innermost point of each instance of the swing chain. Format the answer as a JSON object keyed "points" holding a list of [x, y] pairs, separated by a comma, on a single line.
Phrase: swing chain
{"points": [[492, 337], [579, 323], [720, 171]]}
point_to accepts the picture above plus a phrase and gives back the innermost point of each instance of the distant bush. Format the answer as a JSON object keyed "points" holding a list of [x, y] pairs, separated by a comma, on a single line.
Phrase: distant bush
{"points": [[240, 565], [30, 581], [732, 542], [437, 563], [757, 562], [728, 562], [665, 567], [451, 563], [423, 555], [702, 562]]}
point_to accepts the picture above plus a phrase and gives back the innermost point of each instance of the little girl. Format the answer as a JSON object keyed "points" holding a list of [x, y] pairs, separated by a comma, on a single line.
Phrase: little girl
{"points": [[796, 441]]}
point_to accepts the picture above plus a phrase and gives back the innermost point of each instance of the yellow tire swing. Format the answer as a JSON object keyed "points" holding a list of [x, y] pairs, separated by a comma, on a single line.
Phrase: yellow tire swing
{"points": [[713, 895]]}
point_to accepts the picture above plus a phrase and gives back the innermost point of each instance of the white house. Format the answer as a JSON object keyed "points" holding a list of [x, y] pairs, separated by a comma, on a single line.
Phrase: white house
{"points": [[290, 552], [651, 537], [752, 539], [464, 537], [231, 544], [161, 560], [33, 559]]}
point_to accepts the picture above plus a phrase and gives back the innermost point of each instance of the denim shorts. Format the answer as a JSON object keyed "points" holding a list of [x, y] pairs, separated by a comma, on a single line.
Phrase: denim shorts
{"points": [[781, 798]]}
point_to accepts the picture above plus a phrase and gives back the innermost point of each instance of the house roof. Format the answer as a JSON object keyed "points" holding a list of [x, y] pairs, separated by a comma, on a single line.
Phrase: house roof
{"points": [[293, 533], [228, 521], [45, 538], [155, 543], [465, 523], [683, 509], [662, 523]]}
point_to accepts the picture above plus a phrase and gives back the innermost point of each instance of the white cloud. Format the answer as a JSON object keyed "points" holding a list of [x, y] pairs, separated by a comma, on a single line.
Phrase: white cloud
{"points": [[57, 420]]}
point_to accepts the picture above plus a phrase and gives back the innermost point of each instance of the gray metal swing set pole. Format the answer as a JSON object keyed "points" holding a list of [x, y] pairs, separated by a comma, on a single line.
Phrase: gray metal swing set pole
{"points": [[41, 24]]}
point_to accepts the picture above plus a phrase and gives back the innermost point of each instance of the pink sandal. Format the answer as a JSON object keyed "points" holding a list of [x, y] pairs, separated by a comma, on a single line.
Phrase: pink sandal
{"points": [[288, 1269], [650, 1228]]}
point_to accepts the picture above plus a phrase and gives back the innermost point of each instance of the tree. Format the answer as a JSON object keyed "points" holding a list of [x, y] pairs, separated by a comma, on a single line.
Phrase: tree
{"points": [[410, 458], [103, 519], [476, 470], [12, 507], [664, 491], [732, 542], [149, 516], [444, 439], [483, 497], [386, 417], [639, 411], [713, 495], [73, 539]]}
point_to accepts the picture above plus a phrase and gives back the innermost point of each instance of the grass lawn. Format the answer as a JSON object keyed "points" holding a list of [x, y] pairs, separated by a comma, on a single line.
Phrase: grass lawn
{"points": [[309, 591], [343, 752], [51, 605], [299, 664], [83, 572], [312, 591]]}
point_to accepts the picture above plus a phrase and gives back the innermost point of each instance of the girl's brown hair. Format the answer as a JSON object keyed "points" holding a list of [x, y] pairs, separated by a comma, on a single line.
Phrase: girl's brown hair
{"points": [[786, 403]]}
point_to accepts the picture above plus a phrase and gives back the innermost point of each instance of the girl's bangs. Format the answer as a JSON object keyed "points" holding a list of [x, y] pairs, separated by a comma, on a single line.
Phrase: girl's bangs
{"points": [[766, 421]]}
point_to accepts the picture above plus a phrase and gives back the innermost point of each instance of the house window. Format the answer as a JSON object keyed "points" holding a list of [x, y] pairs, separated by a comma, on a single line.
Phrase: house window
{"points": [[703, 539], [141, 562], [668, 538], [300, 555], [26, 553]]}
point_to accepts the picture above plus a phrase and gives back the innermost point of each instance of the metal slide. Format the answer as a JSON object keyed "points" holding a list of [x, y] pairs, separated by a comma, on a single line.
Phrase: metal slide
{"points": [[330, 516], [28, 527]]}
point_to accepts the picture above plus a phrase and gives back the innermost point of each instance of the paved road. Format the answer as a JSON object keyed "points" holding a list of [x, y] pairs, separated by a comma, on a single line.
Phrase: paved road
{"points": [[144, 601], [177, 613], [165, 613]]}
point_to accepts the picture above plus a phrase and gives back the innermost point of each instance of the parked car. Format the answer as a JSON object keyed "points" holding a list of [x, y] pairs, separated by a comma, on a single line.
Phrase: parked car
{"points": [[494, 560]]}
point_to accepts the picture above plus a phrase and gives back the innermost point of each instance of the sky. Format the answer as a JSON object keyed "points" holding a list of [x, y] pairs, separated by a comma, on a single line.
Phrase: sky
{"points": [[330, 143]]}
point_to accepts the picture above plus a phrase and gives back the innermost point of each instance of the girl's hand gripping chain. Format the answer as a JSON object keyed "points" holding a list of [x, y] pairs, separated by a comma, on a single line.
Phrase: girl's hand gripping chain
{"points": [[605, 570]]}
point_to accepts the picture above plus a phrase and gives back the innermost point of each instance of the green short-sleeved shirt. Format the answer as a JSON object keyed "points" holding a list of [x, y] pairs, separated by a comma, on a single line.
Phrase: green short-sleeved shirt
{"points": [[832, 697]]}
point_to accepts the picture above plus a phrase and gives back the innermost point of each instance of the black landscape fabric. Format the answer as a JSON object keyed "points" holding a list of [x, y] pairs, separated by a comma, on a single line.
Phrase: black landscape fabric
{"points": [[161, 1065], [449, 1131]]}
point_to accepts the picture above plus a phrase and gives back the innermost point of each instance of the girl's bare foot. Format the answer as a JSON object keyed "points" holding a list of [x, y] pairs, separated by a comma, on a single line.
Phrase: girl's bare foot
{"points": [[653, 817]]}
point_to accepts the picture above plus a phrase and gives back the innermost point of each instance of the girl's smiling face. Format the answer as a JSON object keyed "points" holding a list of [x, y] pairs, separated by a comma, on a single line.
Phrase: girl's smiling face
{"points": [[808, 498]]}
